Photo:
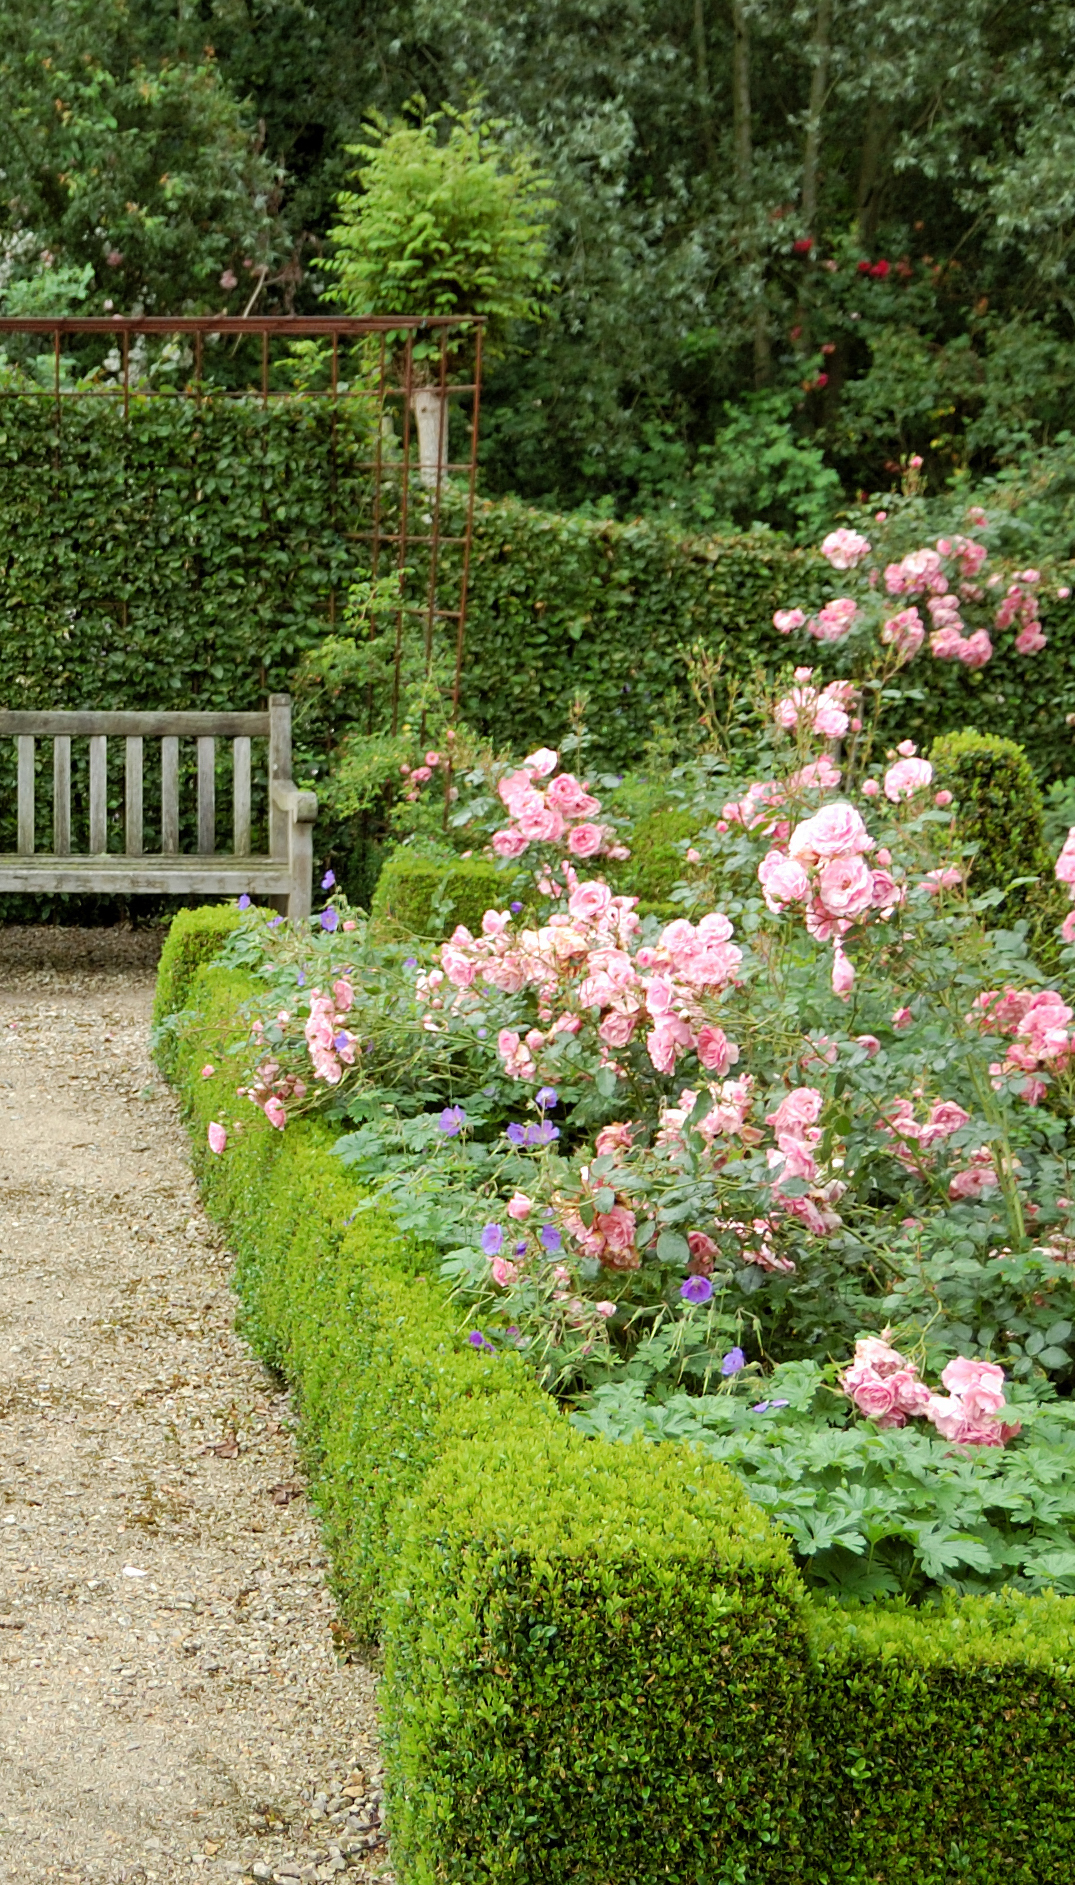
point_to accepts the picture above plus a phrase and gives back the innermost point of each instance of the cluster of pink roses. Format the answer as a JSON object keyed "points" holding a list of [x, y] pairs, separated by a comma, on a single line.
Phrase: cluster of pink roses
{"points": [[563, 813], [913, 1140], [580, 963], [946, 580], [1037, 1023], [797, 1133], [824, 868], [332, 1046], [823, 711], [415, 777], [885, 1387]]}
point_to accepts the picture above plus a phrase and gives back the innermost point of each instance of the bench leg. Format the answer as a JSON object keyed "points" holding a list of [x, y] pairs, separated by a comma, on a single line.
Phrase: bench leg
{"points": [[301, 853]]}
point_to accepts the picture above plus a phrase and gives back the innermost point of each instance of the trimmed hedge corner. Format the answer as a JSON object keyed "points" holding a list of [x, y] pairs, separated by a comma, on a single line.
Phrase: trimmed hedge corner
{"points": [[423, 896], [600, 1665]]}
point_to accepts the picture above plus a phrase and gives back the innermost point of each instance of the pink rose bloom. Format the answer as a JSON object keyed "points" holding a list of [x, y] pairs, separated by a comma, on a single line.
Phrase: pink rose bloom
{"points": [[1065, 863], [542, 762], [844, 548], [660, 993], [979, 1385], [1067, 928], [797, 1110], [819, 776], [509, 842], [877, 1398], [515, 1054], [208, 1071], [703, 1251], [460, 969], [617, 1027], [666, 1040], [946, 1117], [783, 880], [503, 1271], [886, 891], [787, 619], [788, 711], [617, 1227], [943, 797], [843, 974], [906, 777], [542, 826], [585, 840], [835, 620], [845, 886], [613, 1138], [605, 1309], [834, 830], [217, 1136], [973, 1183], [343, 995], [520, 1206], [421, 775], [947, 644], [937, 880], [517, 792], [589, 902], [976, 650], [830, 720], [432, 759], [715, 1051], [569, 796], [1030, 640], [275, 1113]]}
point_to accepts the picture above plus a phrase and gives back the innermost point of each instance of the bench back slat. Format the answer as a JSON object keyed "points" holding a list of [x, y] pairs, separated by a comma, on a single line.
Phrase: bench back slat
{"points": [[206, 797], [25, 839], [98, 795], [170, 795], [61, 796], [241, 798], [133, 797]]}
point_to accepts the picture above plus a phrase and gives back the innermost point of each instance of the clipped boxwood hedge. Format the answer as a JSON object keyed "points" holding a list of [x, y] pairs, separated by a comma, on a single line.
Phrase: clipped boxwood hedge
{"points": [[423, 896], [600, 1664]]}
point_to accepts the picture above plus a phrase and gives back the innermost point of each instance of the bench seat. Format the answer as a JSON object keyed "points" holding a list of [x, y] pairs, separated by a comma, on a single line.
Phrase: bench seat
{"points": [[219, 875]]}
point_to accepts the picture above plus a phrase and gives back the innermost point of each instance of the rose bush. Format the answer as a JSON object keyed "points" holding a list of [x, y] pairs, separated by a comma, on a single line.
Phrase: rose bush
{"points": [[814, 1132]]}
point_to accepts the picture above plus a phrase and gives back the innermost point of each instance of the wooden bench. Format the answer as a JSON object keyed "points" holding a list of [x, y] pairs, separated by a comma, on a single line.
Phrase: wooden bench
{"points": [[282, 878]]}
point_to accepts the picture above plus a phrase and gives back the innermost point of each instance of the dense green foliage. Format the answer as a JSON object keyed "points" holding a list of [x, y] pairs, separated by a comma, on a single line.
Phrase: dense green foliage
{"points": [[420, 896], [128, 181], [452, 226], [721, 169], [1001, 812], [598, 1661]]}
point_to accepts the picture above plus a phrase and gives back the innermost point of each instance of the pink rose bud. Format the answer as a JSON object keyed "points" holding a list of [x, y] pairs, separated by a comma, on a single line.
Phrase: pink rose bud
{"points": [[693, 856], [208, 1071], [944, 797], [915, 462], [856, 724], [1063, 594], [880, 517], [907, 748], [871, 788], [520, 1206], [350, 923], [432, 759], [217, 1136]]}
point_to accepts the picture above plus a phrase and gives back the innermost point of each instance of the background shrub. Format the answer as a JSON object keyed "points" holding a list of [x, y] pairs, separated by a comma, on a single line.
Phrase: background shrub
{"points": [[1001, 811]]}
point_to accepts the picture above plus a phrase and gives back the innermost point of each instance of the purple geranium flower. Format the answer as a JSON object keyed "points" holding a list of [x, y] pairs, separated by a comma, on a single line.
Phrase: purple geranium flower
{"points": [[493, 1240], [733, 1361], [329, 919], [410, 962], [516, 1134], [340, 1041], [301, 978], [520, 1248], [328, 880], [452, 1120], [477, 1339], [543, 1134], [696, 1289], [545, 1097], [551, 1238], [244, 901], [515, 908], [760, 1407], [275, 921]]}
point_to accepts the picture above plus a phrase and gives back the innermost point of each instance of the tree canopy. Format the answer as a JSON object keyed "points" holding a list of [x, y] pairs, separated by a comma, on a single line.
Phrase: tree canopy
{"points": [[795, 241]]}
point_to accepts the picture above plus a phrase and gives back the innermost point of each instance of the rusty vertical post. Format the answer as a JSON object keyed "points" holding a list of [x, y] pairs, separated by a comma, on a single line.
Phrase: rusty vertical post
{"points": [[468, 535], [401, 561]]}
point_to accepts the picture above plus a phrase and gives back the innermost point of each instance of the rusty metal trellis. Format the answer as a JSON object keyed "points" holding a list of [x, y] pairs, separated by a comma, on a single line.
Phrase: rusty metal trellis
{"points": [[409, 361]]}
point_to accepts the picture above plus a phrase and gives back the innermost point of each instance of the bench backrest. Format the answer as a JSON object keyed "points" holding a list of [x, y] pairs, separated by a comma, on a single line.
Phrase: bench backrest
{"points": [[26, 728]]}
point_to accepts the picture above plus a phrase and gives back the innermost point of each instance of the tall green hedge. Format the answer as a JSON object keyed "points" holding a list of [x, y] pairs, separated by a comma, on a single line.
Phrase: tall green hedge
{"points": [[600, 1667], [187, 555]]}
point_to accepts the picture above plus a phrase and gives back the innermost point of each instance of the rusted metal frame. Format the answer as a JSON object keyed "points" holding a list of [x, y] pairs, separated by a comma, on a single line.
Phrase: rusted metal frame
{"points": [[401, 561], [375, 534], [303, 324], [464, 579], [442, 421]]}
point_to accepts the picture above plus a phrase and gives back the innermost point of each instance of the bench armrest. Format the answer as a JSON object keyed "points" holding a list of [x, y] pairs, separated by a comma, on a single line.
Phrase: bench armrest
{"points": [[302, 806]]}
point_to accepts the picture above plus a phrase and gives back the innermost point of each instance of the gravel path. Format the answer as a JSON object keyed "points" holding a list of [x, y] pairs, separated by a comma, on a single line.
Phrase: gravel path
{"points": [[171, 1702]]}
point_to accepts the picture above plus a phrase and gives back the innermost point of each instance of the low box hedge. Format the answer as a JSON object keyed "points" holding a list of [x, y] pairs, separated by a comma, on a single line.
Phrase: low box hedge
{"points": [[599, 1663]]}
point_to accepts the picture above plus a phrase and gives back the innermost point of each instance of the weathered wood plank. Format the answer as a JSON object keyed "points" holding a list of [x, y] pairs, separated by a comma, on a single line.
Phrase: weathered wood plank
{"points": [[147, 726], [279, 770], [150, 876], [61, 796], [25, 839], [98, 794], [170, 795], [206, 797], [133, 797], [241, 797]]}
